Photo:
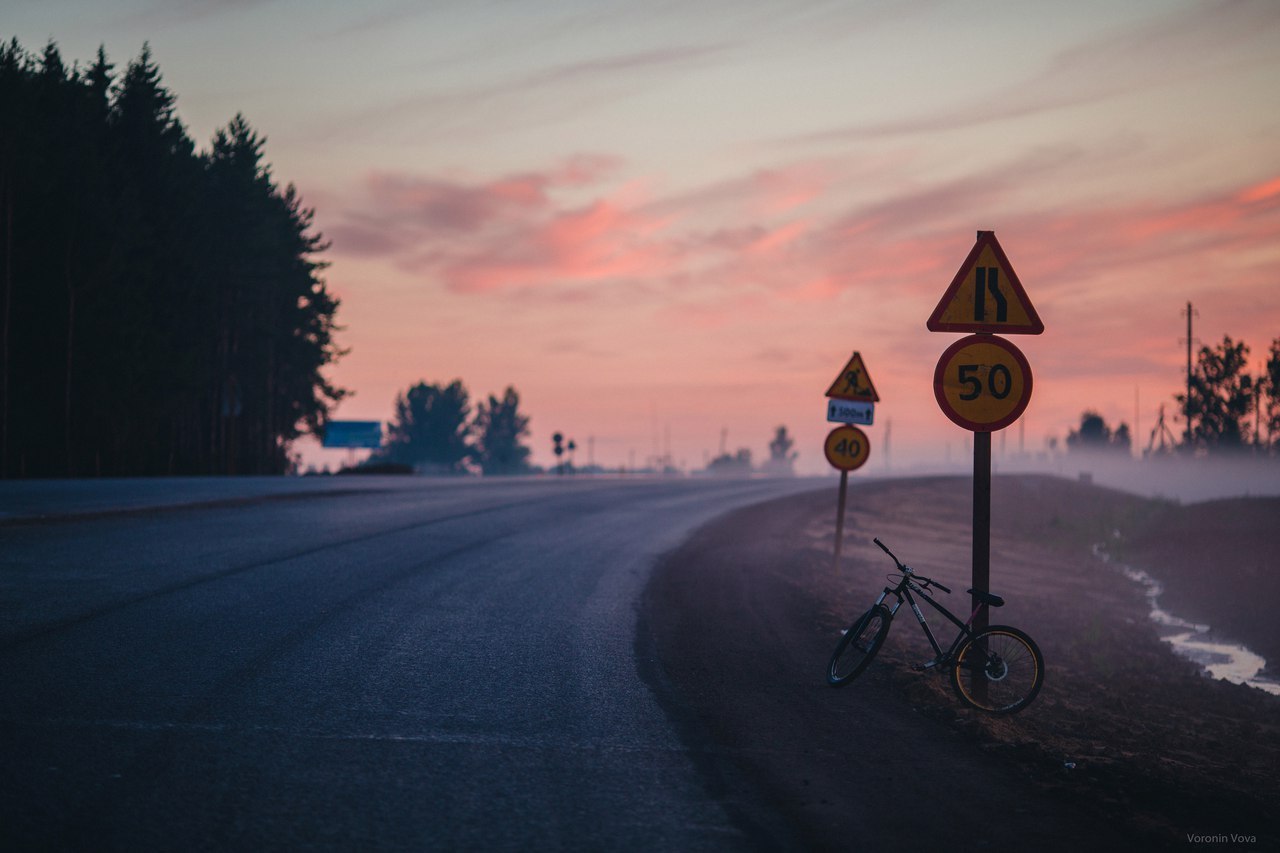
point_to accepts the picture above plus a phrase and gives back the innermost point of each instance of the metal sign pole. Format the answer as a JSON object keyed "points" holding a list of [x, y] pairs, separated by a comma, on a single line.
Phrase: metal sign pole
{"points": [[981, 543], [844, 486], [983, 382]]}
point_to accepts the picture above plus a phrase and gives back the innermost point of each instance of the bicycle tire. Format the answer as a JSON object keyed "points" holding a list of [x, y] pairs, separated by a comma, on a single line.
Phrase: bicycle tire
{"points": [[1013, 670], [858, 646]]}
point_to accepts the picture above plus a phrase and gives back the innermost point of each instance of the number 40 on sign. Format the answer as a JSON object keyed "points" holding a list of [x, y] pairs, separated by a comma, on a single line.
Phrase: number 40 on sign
{"points": [[847, 448]]}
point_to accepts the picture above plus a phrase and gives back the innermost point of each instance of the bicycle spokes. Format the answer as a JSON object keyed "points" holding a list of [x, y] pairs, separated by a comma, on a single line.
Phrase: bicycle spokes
{"points": [[999, 670]]}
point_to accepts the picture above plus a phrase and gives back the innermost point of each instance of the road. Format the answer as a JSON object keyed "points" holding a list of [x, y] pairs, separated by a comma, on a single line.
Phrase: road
{"points": [[430, 665]]}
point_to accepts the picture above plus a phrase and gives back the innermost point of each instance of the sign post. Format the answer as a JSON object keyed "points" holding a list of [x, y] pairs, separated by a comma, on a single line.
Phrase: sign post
{"points": [[983, 382], [851, 400]]}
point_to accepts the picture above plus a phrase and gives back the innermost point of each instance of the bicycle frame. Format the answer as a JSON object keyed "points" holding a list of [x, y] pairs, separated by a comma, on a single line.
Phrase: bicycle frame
{"points": [[997, 669], [903, 591]]}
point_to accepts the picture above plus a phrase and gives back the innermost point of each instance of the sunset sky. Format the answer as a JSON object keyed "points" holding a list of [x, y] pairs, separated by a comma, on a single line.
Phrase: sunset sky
{"points": [[676, 218]]}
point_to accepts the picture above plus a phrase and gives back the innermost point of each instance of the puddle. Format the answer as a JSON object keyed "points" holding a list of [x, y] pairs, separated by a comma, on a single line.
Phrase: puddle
{"points": [[1219, 658]]}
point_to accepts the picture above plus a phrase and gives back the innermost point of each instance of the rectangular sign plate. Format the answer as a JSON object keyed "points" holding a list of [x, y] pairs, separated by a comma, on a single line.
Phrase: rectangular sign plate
{"points": [[353, 434], [850, 412]]}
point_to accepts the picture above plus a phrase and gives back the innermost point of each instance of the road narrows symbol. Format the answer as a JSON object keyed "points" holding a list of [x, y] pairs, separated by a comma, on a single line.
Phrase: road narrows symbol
{"points": [[986, 296]]}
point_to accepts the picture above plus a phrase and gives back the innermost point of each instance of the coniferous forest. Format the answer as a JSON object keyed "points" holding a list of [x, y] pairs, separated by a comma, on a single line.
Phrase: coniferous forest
{"points": [[162, 309]]}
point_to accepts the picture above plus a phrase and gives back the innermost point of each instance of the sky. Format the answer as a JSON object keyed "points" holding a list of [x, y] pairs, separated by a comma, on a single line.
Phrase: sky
{"points": [[669, 224]]}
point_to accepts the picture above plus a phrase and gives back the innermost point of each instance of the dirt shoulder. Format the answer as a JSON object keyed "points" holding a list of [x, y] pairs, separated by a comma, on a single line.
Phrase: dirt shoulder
{"points": [[1126, 744]]}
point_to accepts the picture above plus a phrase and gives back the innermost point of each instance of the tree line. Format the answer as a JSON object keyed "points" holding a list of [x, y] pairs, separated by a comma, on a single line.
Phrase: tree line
{"points": [[434, 432], [162, 308], [1224, 409]]}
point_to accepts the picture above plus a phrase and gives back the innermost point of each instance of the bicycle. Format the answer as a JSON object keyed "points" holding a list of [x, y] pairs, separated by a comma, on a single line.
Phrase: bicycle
{"points": [[997, 669]]}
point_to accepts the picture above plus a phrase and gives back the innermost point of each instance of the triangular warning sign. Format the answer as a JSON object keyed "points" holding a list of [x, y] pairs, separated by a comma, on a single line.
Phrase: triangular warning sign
{"points": [[986, 296], [854, 383]]}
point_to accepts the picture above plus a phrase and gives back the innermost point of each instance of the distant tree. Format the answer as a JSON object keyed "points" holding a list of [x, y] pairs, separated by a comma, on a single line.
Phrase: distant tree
{"points": [[738, 464], [1221, 397], [782, 457], [431, 429], [1121, 439], [499, 428], [1269, 397], [1094, 434]]}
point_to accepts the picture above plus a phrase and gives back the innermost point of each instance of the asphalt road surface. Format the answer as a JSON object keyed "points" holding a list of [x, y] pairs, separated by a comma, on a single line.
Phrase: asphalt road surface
{"points": [[430, 665]]}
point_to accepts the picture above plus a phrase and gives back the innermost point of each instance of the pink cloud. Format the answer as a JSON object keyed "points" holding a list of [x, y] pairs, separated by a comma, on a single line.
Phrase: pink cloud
{"points": [[567, 233], [779, 238], [599, 242], [1260, 192], [399, 212]]}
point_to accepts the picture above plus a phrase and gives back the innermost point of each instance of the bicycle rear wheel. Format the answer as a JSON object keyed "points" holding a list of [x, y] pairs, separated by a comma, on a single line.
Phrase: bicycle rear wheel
{"points": [[858, 646], [998, 670]]}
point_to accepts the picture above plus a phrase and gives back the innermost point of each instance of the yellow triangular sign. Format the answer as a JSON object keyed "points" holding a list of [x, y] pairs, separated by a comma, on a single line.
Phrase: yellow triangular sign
{"points": [[854, 383], [986, 296]]}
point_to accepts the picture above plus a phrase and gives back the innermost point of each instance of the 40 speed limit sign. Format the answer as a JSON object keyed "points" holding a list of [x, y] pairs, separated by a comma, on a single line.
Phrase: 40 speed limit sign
{"points": [[982, 383], [847, 448]]}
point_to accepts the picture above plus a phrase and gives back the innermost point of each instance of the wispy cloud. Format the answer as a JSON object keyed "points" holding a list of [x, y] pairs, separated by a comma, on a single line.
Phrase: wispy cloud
{"points": [[552, 92], [374, 20], [165, 14], [1131, 60], [398, 213]]}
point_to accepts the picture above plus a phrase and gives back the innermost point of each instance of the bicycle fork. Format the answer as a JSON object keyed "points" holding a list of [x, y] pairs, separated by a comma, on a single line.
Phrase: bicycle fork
{"points": [[940, 658]]}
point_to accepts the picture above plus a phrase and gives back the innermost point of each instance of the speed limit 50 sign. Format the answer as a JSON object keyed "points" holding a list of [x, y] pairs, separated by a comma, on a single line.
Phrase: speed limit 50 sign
{"points": [[982, 383]]}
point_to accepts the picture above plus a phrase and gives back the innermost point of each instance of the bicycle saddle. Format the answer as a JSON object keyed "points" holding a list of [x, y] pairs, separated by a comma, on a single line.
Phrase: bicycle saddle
{"points": [[988, 598]]}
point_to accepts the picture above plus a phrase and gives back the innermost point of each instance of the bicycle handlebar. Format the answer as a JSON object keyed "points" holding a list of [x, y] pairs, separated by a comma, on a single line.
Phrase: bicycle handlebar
{"points": [[927, 582]]}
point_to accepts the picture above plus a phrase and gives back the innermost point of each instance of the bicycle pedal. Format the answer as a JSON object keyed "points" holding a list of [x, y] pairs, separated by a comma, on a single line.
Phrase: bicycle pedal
{"points": [[921, 667]]}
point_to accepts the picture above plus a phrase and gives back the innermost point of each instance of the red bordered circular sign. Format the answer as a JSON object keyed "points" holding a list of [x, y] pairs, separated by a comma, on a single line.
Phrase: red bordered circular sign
{"points": [[982, 383], [847, 448]]}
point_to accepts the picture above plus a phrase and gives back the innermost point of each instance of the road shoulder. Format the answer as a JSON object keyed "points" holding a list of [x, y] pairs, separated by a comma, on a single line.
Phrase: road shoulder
{"points": [[741, 620]]}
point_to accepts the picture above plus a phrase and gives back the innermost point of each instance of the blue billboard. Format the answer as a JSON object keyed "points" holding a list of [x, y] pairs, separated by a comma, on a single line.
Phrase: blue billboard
{"points": [[353, 434]]}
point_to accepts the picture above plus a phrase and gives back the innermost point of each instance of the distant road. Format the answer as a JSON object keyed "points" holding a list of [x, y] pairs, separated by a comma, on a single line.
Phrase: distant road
{"points": [[402, 665]]}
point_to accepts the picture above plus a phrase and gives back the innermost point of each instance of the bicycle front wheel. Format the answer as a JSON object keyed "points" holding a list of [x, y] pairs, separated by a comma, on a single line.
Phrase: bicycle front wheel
{"points": [[858, 646], [998, 670]]}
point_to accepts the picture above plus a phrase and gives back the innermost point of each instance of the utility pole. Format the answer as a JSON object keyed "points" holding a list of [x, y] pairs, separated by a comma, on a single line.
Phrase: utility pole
{"points": [[1187, 410], [888, 432], [1137, 423]]}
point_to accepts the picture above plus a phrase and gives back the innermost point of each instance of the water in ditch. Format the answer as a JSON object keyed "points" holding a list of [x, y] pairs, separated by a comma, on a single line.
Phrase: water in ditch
{"points": [[1219, 658]]}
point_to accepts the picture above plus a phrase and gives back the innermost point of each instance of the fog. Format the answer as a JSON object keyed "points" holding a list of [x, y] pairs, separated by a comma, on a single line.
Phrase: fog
{"points": [[1172, 478]]}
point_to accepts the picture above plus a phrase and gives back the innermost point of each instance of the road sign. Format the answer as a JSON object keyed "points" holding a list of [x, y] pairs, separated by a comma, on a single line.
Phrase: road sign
{"points": [[850, 412], [854, 383], [986, 296], [847, 448], [982, 383], [353, 434]]}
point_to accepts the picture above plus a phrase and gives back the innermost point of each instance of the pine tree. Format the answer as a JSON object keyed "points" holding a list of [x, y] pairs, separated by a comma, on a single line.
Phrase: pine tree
{"points": [[1270, 392], [431, 430], [500, 430], [1222, 396], [161, 311]]}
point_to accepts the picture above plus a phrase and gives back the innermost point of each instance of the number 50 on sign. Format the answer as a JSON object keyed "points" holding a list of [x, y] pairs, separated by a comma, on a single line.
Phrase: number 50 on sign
{"points": [[982, 383]]}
